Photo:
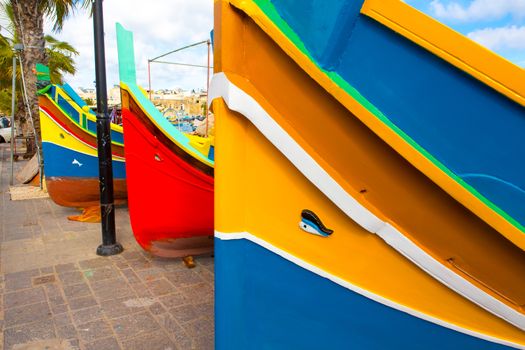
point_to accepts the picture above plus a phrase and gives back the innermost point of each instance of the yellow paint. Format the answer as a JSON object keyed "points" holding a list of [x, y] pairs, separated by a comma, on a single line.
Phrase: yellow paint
{"points": [[89, 214], [259, 191], [53, 133], [483, 64], [456, 190], [201, 144], [203, 158]]}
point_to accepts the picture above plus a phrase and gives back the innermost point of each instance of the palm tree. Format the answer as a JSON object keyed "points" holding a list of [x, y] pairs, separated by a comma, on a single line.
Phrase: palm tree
{"points": [[60, 60], [28, 19]]}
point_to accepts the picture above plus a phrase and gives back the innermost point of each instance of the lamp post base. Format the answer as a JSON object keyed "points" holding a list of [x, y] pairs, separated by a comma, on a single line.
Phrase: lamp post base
{"points": [[108, 250]]}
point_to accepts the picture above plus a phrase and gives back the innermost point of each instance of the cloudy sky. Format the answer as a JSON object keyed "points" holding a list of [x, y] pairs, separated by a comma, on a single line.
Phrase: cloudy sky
{"points": [[163, 25], [158, 26], [496, 24]]}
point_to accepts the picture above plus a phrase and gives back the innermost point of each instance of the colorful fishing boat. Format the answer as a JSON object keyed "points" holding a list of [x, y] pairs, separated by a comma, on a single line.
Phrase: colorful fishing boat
{"points": [[69, 144], [170, 174], [372, 197]]}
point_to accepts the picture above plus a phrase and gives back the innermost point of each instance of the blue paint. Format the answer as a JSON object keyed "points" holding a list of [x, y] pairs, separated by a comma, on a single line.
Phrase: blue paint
{"points": [[211, 153], [60, 162], [75, 97], [323, 25], [116, 136], [91, 126], [310, 225], [70, 111], [466, 125], [52, 92], [263, 301]]}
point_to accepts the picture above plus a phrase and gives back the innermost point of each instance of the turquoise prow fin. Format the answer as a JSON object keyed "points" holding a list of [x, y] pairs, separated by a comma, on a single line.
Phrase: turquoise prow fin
{"points": [[126, 55], [128, 76]]}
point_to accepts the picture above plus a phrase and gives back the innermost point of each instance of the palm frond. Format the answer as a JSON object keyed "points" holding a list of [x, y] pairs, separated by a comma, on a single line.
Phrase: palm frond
{"points": [[58, 45], [59, 10], [60, 55], [8, 20]]}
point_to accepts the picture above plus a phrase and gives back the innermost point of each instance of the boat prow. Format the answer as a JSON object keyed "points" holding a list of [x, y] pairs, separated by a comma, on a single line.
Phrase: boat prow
{"points": [[170, 174], [69, 145], [331, 109]]}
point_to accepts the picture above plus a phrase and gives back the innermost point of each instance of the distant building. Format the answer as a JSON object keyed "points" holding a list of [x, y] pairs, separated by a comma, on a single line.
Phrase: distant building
{"points": [[190, 102], [87, 93]]}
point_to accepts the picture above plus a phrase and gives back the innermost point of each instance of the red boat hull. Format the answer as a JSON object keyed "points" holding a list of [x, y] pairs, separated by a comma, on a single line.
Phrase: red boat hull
{"points": [[170, 198]]}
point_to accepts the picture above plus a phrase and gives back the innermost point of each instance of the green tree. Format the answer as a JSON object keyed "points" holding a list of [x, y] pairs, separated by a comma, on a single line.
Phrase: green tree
{"points": [[28, 23], [6, 58], [59, 56], [6, 69]]}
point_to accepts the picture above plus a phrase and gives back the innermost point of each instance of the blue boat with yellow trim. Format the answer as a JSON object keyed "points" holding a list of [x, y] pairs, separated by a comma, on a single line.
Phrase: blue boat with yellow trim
{"points": [[69, 145], [395, 223]]}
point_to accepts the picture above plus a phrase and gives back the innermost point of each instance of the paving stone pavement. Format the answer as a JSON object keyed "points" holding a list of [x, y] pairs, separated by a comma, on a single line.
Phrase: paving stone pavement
{"points": [[56, 293]]}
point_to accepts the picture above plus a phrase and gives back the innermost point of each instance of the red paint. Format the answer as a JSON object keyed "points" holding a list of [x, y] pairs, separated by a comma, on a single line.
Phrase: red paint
{"points": [[168, 198]]}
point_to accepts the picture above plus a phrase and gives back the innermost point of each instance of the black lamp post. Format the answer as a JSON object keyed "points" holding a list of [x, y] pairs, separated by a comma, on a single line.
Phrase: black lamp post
{"points": [[109, 245]]}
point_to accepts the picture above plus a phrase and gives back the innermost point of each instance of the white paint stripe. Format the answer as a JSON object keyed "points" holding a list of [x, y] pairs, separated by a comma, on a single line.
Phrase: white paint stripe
{"points": [[361, 291], [239, 101], [448, 277]]}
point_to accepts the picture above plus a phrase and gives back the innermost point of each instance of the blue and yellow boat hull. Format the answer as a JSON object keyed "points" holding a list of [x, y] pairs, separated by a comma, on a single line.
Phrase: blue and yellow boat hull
{"points": [[69, 145], [414, 257]]}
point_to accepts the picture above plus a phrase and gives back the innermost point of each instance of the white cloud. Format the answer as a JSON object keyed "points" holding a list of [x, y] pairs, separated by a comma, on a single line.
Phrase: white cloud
{"points": [[478, 10], [158, 26], [511, 37]]}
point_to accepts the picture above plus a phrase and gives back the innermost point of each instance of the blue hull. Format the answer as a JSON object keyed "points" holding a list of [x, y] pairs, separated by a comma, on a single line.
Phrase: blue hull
{"points": [[263, 301], [60, 162]]}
